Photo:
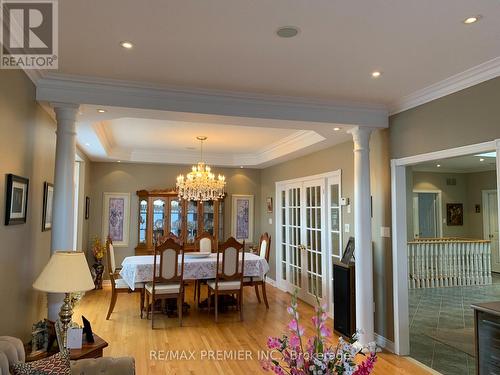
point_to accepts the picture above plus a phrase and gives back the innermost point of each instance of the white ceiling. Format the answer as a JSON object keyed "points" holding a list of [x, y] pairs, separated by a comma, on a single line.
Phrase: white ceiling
{"points": [[461, 164], [232, 45], [238, 70]]}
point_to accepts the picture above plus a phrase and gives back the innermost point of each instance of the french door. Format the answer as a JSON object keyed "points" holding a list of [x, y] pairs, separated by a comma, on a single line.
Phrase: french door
{"points": [[308, 227]]}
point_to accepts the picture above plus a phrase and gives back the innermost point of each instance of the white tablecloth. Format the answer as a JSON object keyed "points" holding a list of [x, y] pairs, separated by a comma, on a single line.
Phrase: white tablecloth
{"points": [[139, 269]]}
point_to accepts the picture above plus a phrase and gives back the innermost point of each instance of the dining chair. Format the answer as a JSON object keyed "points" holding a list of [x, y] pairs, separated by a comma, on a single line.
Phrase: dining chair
{"points": [[264, 251], [205, 243], [118, 285], [229, 274], [167, 280]]}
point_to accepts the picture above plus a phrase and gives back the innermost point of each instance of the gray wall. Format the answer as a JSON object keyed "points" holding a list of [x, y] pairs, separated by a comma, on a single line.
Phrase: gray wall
{"points": [[27, 141], [128, 178]]}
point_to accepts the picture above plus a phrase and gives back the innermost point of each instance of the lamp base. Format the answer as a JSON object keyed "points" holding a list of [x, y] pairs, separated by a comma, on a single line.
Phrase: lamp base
{"points": [[65, 317]]}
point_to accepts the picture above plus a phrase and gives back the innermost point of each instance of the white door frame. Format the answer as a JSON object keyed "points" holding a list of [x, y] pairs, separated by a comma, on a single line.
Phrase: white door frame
{"points": [[400, 235], [439, 208], [279, 186], [486, 216]]}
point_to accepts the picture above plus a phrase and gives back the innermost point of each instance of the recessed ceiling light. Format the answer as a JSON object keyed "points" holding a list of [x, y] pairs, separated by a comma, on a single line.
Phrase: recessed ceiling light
{"points": [[101, 110], [376, 74], [470, 20], [287, 31], [87, 144], [481, 159], [118, 161], [241, 166], [127, 45], [336, 129], [439, 165]]}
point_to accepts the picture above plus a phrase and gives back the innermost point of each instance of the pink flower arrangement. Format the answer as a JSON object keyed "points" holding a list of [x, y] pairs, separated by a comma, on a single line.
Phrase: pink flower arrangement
{"points": [[298, 356]]}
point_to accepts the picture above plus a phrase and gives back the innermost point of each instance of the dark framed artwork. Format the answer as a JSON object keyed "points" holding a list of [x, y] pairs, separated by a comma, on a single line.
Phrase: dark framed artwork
{"points": [[87, 208], [48, 201], [16, 202], [454, 214], [348, 252]]}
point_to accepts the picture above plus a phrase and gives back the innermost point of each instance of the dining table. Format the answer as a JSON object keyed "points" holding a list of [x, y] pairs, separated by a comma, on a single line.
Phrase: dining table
{"points": [[139, 268]]}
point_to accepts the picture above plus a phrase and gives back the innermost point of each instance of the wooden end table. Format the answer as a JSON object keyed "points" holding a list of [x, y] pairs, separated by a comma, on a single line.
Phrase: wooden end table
{"points": [[88, 350]]}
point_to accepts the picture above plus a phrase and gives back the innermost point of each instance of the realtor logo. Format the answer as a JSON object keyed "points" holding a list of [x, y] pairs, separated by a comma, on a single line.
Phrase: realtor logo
{"points": [[29, 34]]}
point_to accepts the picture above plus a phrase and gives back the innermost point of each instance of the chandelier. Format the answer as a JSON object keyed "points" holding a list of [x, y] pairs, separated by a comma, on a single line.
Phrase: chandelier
{"points": [[200, 184]]}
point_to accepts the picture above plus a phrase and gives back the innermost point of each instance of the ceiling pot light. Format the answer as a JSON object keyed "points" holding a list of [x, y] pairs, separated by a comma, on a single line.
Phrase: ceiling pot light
{"points": [[471, 20], [87, 144], [481, 159], [336, 129], [287, 31], [376, 74], [101, 110], [127, 45], [118, 161], [439, 165]]}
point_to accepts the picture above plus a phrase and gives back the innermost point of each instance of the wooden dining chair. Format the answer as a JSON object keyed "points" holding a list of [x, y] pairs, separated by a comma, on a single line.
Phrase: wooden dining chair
{"points": [[167, 280], [118, 285], [205, 243], [264, 251], [171, 236], [229, 274]]}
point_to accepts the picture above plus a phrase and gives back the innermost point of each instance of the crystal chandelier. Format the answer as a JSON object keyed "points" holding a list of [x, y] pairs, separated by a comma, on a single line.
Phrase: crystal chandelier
{"points": [[200, 184]]}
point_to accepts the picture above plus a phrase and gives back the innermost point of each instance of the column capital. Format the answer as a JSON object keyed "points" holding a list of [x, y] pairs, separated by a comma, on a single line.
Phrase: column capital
{"points": [[65, 111], [360, 137]]}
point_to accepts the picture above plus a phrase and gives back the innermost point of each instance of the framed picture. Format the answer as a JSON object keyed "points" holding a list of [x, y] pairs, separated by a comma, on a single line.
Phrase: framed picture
{"points": [[269, 205], [242, 217], [454, 214], [116, 218], [16, 204], [87, 208], [48, 199]]}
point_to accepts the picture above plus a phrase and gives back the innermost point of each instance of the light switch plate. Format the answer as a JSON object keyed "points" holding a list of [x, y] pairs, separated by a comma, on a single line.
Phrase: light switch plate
{"points": [[347, 228], [385, 232], [270, 220], [348, 208]]}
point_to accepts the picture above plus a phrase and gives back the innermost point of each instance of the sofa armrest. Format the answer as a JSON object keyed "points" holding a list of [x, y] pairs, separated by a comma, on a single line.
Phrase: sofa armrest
{"points": [[104, 365]]}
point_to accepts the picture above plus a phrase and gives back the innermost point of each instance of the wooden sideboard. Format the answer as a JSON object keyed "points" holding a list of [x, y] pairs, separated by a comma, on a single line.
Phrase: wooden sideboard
{"points": [[162, 212], [487, 337]]}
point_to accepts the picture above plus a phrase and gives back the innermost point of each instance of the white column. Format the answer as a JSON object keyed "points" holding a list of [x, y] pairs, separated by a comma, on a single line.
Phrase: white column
{"points": [[63, 205], [363, 235]]}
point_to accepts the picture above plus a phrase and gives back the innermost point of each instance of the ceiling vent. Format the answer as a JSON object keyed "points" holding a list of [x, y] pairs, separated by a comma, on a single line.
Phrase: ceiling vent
{"points": [[451, 181]]}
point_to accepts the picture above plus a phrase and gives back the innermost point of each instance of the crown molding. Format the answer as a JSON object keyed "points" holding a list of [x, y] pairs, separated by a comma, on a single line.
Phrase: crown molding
{"points": [[98, 91], [470, 77]]}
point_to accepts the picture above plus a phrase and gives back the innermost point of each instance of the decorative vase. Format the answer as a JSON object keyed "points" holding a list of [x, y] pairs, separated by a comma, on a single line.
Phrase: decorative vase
{"points": [[98, 269]]}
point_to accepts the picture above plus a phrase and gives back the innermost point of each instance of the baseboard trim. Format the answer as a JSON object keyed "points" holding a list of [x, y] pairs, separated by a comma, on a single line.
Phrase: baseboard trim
{"points": [[271, 282], [384, 342], [425, 367]]}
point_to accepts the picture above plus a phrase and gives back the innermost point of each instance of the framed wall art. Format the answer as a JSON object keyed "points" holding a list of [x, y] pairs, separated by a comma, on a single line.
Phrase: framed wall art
{"points": [[16, 203], [48, 199], [87, 208], [454, 214], [242, 217], [269, 205], [116, 218]]}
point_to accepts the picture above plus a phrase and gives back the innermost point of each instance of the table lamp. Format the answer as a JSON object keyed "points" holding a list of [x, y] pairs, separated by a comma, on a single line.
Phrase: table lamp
{"points": [[66, 272]]}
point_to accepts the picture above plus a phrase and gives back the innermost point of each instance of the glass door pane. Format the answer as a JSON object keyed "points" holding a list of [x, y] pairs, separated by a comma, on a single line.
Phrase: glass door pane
{"points": [[175, 217], [334, 227], [221, 222], [313, 234], [283, 234], [143, 219], [192, 221], [294, 237], [158, 219], [208, 217]]}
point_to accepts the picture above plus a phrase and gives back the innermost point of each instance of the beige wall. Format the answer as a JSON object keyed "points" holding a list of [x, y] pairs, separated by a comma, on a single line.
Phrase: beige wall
{"points": [[467, 117], [468, 191], [27, 141], [341, 157], [128, 178]]}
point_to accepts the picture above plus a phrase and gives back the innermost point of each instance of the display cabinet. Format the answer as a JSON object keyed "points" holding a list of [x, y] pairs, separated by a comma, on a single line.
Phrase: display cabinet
{"points": [[161, 212]]}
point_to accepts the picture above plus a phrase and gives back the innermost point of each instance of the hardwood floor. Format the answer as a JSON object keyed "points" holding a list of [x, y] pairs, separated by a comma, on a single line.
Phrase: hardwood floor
{"points": [[128, 335]]}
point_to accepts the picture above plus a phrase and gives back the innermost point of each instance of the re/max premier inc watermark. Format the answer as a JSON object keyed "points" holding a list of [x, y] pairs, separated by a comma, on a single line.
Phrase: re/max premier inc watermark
{"points": [[29, 34]]}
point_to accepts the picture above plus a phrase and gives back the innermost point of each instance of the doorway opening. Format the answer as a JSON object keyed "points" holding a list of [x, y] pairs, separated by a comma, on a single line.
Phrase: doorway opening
{"points": [[445, 219]]}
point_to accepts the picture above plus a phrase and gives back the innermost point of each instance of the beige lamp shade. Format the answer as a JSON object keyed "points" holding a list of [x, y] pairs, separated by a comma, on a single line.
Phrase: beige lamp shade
{"points": [[66, 272]]}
